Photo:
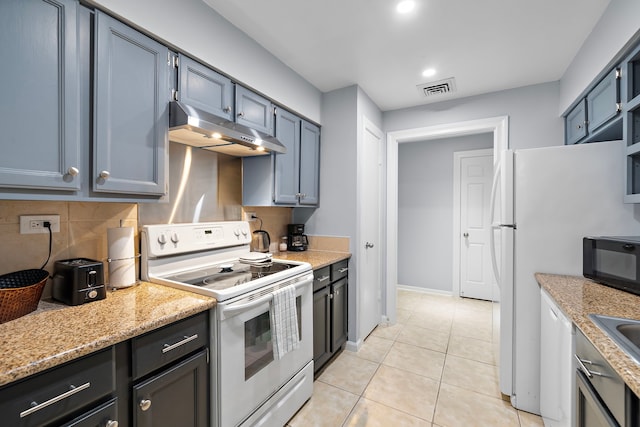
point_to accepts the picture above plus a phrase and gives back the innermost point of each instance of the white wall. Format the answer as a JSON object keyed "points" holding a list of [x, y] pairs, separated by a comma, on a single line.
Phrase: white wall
{"points": [[425, 209], [618, 24], [534, 120], [195, 28]]}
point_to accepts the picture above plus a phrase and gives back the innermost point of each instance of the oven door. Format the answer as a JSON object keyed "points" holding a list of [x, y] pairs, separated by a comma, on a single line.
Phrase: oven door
{"points": [[248, 373]]}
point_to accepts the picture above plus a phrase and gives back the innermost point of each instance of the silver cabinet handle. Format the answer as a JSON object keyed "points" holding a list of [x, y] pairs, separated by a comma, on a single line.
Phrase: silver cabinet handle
{"points": [[105, 174], [111, 423], [73, 171], [342, 270], [368, 245], [167, 348], [583, 368], [337, 293], [322, 279], [35, 407], [145, 404], [227, 109], [241, 114]]}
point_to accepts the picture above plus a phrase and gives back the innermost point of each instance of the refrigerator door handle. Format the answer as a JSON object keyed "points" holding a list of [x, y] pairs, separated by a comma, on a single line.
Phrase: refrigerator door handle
{"points": [[492, 211]]}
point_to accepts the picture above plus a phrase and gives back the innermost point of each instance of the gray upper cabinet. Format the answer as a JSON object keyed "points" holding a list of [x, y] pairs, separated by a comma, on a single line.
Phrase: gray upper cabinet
{"points": [[287, 165], [289, 179], [253, 110], [603, 101], [131, 114], [596, 117], [204, 88], [576, 123], [40, 116], [309, 164]]}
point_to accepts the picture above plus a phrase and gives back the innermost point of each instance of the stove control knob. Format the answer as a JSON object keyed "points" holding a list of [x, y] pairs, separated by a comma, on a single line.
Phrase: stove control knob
{"points": [[174, 237], [237, 232], [245, 233], [162, 239]]}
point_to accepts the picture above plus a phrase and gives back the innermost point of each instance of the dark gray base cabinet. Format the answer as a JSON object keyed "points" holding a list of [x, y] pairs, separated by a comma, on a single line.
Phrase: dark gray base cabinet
{"points": [[330, 312], [178, 396]]}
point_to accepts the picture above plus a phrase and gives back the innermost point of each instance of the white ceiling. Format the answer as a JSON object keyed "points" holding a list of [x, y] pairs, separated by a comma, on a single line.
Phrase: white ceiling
{"points": [[487, 45]]}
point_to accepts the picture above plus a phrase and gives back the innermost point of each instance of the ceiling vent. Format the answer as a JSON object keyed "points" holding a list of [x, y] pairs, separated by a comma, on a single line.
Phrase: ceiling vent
{"points": [[439, 88]]}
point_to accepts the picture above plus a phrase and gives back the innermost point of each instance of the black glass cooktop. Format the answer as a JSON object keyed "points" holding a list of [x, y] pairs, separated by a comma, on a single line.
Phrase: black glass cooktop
{"points": [[222, 276]]}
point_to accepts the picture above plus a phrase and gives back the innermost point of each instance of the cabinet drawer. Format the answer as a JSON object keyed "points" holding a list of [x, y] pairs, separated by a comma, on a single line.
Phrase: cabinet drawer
{"points": [[59, 392], [104, 415], [321, 277], [339, 270], [165, 345]]}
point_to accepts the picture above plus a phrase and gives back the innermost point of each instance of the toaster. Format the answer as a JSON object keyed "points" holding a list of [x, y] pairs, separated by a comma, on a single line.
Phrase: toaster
{"points": [[78, 281]]}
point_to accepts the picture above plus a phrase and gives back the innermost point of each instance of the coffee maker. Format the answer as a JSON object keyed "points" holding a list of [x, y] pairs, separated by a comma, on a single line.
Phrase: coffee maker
{"points": [[296, 239]]}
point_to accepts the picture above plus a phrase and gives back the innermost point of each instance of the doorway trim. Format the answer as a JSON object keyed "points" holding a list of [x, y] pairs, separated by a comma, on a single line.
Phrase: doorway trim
{"points": [[457, 246], [499, 126]]}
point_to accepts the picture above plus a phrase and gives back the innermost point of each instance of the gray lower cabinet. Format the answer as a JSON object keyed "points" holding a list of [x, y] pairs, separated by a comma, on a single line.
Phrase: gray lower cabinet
{"points": [[157, 379], [131, 116], [40, 114], [330, 312], [178, 396], [289, 179]]}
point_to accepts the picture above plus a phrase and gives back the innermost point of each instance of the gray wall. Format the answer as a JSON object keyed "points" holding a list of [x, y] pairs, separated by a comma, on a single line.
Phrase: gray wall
{"points": [[616, 26], [192, 26], [533, 114], [425, 209]]}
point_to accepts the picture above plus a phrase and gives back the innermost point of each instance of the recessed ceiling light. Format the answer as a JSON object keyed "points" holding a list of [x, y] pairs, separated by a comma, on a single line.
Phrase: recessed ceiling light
{"points": [[405, 6], [429, 72]]}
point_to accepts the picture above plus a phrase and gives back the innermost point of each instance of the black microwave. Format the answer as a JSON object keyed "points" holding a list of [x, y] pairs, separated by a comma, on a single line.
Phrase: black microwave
{"points": [[612, 261]]}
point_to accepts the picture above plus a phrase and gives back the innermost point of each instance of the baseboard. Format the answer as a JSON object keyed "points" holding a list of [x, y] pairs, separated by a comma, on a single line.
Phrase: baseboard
{"points": [[424, 290]]}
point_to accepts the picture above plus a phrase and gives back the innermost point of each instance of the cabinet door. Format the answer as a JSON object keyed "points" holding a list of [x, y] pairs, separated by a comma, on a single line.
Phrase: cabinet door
{"points": [[40, 114], [287, 165], [309, 164], [575, 123], [204, 88], [339, 304], [179, 396], [131, 115], [602, 101], [321, 331], [253, 110]]}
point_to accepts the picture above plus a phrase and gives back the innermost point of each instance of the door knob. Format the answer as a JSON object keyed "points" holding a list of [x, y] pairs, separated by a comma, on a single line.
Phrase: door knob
{"points": [[368, 245], [465, 235]]}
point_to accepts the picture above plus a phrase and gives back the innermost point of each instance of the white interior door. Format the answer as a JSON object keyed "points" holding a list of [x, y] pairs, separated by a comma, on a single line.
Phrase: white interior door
{"points": [[476, 176], [369, 272]]}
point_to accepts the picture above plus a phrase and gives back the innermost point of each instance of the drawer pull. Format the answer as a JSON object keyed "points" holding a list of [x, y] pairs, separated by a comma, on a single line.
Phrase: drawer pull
{"points": [[35, 407], [167, 348], [581, 364], [342, 270], [145, 404], [111, 423], [322, 279]]}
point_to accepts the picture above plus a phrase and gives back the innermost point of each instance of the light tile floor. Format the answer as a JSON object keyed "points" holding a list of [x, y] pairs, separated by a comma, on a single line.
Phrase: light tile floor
{"points": [[435, 368]]}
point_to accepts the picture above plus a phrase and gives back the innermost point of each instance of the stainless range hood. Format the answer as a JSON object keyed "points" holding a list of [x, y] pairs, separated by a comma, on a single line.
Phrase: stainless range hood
{"points": [[192, 126]]}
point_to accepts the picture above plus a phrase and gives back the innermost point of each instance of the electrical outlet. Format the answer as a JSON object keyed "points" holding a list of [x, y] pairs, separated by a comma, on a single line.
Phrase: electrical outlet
{"points": [[34, 224], [249, 216]]}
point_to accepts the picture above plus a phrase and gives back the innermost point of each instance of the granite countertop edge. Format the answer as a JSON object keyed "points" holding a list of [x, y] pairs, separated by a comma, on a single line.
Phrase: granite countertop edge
{"points": [[317, 258], [55, 333], [578, 297]]}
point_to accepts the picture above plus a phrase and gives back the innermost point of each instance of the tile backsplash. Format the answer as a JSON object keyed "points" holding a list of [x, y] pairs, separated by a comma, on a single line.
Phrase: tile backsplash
{"points": [[83, 233]]}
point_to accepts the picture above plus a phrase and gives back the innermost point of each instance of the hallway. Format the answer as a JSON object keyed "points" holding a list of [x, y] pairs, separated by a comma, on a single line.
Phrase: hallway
{"points": [[434, 368]]}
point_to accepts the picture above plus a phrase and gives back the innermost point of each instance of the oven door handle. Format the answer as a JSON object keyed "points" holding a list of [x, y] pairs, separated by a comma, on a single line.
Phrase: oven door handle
{"points": [[235, 308]]}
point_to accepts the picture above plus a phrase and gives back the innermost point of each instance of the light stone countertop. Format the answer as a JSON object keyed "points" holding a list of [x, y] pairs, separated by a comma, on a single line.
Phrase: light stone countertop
{"points": [[317, 259], [56, 333], [578, 297]]}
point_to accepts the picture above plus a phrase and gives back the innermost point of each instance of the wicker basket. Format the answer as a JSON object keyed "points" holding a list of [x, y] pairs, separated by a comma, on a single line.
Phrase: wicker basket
{"points": [[20, 293]]}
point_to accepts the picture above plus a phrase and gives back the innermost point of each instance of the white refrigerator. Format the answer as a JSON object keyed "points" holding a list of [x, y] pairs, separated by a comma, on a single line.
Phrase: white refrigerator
{"points": [[545, 201]]}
